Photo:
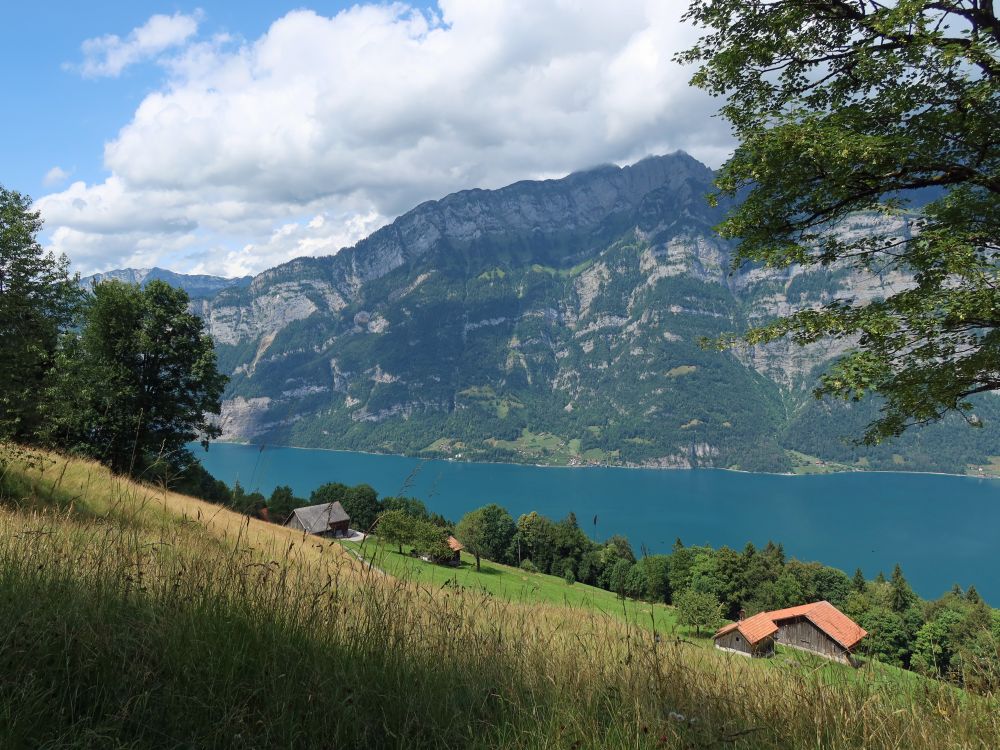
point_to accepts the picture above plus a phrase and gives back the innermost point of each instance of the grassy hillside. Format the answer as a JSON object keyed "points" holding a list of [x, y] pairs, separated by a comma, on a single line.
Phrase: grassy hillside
{"points": [[513, 584], [135, 617]]}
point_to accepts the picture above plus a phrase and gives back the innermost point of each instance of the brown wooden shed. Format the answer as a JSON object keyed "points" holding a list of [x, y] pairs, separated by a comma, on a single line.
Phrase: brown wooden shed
{"points": [[819, 628], [456, 549]]}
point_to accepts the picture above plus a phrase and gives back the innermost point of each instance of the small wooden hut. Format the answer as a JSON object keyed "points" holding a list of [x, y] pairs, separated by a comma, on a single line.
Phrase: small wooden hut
{"points": [[456, 548], [327, 519], [818, 628]]}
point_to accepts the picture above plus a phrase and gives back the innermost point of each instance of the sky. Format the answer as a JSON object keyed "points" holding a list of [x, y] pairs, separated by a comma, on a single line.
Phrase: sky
{"points": [[226, 138]]}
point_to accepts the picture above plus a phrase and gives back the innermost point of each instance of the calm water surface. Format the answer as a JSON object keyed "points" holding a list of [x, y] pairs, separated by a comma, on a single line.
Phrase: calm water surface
{"points": [[941, 529]]}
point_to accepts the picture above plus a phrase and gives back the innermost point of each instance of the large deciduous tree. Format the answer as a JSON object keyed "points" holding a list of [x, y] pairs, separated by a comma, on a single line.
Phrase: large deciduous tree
{"points": [[698, 609], [486, 532], [38, 300], [848, 106], [140, 382], [396, 527]]}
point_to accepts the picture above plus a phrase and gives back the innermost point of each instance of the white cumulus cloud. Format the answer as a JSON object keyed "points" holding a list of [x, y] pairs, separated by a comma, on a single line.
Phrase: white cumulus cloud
{"points": [[109, 55], [55, 176], [358, 117]]}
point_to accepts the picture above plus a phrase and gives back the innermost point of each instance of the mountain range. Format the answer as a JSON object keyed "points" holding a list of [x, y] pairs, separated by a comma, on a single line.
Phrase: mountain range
{"points": [[196, 285], [556, 322]]}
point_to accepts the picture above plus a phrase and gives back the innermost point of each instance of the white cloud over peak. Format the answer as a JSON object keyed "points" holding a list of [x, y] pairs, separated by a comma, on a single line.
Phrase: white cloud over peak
{"points": [[358, 117], [109, 55]]}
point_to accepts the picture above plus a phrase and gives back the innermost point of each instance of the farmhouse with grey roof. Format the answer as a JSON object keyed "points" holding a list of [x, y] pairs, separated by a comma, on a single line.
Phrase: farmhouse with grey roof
{"points": [[326, 519]]}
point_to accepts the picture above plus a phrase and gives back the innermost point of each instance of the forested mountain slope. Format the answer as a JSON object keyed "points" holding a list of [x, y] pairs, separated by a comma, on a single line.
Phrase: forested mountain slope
{"points": [[555, 321]]}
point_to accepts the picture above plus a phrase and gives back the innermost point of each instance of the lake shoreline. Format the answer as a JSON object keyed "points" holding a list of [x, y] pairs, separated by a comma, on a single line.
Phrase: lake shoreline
{"points": [[610, 466]]}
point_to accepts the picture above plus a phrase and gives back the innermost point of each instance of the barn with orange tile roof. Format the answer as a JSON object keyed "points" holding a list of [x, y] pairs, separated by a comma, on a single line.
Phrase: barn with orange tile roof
{"points": [[819, 628]]}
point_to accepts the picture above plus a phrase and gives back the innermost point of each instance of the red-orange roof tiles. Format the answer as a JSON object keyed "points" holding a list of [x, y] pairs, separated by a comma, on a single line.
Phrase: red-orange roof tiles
{"points": [[823, 615], [455, 544]]}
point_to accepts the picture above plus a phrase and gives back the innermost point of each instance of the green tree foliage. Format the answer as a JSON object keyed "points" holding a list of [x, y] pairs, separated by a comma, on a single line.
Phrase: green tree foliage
{"points": [[536, 536], [430, 540], [38, 300], [618, 577], [858, 582], [409, 505], [636, 582], [139, 382], [569, 575], [195, 480], [852, 106], [901, 596], [619, 547], [528, 566], [681, 560], [657, 568], [486, 532], [934, 649], [282, 502], [396, 527], [698, 609], [245, 502], [887, 640], [360, 502]]}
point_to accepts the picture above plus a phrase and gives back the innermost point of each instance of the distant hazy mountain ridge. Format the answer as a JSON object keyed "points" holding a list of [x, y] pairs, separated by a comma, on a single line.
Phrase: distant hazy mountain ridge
{"points": [[196, 285], [555, 321]]}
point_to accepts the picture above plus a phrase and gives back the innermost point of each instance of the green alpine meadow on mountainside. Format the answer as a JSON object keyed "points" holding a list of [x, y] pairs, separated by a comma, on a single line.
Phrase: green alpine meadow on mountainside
{"points": [[557, 322]]}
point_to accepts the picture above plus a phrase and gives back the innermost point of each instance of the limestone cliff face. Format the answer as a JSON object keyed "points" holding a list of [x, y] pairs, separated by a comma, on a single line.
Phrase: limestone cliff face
{"points": [[526, 213], [571, 308], [774, 293]]}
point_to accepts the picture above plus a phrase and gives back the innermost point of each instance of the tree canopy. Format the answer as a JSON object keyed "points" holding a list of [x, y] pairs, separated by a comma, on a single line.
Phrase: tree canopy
{"points": [[38, 300], [851, 107], [698, 610], [396, 527], [139, 382], [486, 532]]}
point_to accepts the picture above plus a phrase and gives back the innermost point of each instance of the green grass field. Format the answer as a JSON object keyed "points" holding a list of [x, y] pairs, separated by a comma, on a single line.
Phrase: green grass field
{"points": [[514, 584]]}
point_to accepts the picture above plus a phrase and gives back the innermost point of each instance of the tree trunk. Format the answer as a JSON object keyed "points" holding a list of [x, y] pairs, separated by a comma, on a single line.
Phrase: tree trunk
{"points": [[477, 563]]}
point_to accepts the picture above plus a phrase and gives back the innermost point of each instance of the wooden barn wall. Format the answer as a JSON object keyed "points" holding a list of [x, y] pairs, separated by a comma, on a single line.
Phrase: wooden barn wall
{"points": [[733, 641], [801, 633]]}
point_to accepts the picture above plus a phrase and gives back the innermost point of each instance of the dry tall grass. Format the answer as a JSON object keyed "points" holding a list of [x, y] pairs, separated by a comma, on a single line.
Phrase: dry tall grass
{"points": [[134, 617]]}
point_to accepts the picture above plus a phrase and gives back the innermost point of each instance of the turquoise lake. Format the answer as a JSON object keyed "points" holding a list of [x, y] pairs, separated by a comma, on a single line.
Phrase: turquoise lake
{"points": [[941, 529]]}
